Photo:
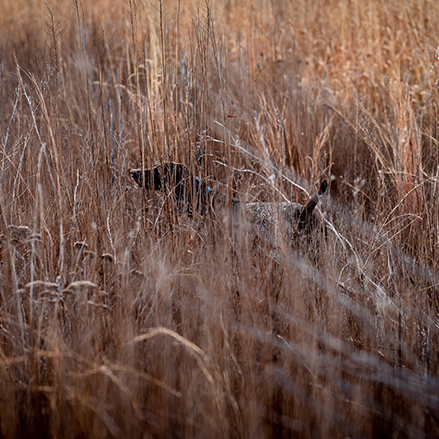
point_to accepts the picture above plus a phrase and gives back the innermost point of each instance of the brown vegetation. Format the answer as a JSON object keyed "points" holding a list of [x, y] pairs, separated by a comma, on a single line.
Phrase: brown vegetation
{"points": [[123, 316]]}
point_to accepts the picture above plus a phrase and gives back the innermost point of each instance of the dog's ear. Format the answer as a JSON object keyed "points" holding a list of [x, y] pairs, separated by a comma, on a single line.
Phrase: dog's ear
{"points": [[324, 185], [136, 175], [306, 212], [148, 178]]}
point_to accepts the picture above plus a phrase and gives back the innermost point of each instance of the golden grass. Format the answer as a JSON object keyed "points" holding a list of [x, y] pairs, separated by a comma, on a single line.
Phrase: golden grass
{"points": [[121, 316]]}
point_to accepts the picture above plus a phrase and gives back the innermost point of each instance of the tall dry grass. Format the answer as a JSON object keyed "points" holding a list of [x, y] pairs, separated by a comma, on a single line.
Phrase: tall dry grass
{"points": [[121, 316]]}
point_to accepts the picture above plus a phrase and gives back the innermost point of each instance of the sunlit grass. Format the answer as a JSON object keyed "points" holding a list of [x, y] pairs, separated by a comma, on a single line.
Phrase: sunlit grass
{"points": [[123, 315]]}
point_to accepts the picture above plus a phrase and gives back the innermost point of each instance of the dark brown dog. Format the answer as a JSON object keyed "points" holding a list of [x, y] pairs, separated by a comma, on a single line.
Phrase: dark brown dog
{"points": [[174, 178]]}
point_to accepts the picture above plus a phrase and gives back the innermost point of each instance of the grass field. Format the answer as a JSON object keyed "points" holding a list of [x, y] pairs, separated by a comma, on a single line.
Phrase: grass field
{"points": [[123, 316]]}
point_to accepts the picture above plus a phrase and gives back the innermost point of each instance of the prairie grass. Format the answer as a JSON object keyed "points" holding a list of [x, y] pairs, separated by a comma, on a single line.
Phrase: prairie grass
{"points": [[123, 316]]}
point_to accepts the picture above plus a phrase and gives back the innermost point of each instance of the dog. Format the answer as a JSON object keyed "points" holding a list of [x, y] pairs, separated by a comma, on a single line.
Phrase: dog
{"points": [[295, 216], [175, 179]]}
